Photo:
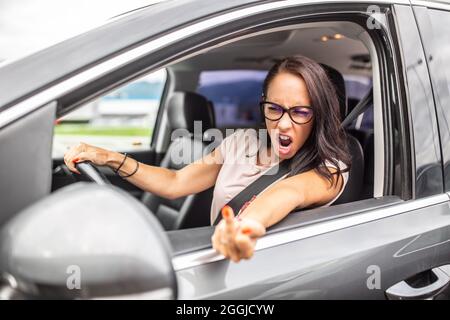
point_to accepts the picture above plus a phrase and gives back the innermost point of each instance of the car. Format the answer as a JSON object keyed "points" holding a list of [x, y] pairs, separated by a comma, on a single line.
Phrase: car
{"points": [[98, 236]]}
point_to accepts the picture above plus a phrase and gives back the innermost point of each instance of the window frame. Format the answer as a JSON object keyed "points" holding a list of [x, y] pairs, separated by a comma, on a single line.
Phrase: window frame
{"points": [[391, 85]]}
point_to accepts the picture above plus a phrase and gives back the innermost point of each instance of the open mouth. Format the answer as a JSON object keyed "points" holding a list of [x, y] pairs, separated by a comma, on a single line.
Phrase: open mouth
{"points": [[285, 141]]}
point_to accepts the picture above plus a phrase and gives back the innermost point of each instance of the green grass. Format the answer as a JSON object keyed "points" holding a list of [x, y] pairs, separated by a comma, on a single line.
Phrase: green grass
{"points": [[89, 130]]}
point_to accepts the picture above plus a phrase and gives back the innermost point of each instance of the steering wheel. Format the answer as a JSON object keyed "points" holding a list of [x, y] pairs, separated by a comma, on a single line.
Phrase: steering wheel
{"points": [[92, 173]]}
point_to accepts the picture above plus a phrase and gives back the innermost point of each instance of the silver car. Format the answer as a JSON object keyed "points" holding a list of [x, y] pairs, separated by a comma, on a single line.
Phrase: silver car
{"points": [[97, 236]]}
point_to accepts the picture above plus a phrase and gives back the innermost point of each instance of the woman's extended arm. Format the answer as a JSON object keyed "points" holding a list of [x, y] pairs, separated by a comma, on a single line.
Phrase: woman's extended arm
{"points": [[235, 238], [300, 191], [195, 177]]}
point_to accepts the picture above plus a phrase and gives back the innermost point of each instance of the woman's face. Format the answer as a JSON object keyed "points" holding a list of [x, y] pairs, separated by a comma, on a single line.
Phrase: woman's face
{"points": [[288, 137]]}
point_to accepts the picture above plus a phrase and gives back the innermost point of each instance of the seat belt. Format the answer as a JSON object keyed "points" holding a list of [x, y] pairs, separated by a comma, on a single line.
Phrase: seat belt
{"points": [[256, 187], [362, 106]]}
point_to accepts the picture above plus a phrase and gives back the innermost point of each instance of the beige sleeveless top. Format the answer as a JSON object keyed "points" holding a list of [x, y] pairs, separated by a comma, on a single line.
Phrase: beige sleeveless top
{"points": [[238, 154]]}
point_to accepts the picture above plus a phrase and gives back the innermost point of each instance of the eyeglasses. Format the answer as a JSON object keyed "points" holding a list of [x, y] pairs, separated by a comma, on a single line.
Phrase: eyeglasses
{"points": [[298, 114]]}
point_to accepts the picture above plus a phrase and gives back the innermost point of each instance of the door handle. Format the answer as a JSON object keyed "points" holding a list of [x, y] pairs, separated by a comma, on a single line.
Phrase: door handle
{"points": [[404, 291]]}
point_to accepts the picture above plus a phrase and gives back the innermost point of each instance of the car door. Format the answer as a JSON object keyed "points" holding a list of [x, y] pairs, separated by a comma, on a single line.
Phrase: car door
{"points": [[395, 246]]}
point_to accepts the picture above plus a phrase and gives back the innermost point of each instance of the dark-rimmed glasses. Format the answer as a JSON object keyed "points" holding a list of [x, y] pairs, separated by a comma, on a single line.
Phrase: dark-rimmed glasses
{"points": [[298, 114]]}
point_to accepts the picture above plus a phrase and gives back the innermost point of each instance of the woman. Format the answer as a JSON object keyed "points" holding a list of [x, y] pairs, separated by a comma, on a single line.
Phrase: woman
{"points": [[301, 112]]}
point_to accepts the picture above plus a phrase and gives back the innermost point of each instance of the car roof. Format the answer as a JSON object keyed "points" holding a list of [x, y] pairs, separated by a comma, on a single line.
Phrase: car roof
{"points": [[259, 52], [22, 78]]}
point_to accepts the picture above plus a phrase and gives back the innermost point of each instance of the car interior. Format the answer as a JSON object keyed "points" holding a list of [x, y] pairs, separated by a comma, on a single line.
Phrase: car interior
{"points": [[345, 51]]}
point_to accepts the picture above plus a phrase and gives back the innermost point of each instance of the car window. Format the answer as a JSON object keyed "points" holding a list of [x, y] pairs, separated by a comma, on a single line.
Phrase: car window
{"points": [[435, 28], [440, 21], [234, 94], [122, 120]]}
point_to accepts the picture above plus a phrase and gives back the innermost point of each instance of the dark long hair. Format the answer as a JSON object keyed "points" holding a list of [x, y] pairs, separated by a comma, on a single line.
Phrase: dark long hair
{"points": [[327, 140]]}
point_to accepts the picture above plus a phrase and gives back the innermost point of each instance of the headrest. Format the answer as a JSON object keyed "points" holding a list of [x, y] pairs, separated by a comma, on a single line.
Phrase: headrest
{"points": [[338, 80], [186, 107]]}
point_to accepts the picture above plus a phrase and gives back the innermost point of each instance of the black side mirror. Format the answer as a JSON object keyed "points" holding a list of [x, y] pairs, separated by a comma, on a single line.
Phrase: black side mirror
{"points": [[86, 241]]}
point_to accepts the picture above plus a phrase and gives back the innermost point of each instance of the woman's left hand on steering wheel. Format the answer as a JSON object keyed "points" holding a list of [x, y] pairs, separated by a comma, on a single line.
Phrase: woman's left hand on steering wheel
{"points": [[235, 238], [85, 152]]}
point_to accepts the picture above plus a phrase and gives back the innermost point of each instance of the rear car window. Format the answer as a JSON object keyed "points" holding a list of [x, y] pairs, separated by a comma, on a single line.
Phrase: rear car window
{"points": [[235, 95]]}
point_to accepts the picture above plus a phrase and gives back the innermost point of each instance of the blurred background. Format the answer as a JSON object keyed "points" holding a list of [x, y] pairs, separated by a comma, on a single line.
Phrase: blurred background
{"points": [[29, 25]]}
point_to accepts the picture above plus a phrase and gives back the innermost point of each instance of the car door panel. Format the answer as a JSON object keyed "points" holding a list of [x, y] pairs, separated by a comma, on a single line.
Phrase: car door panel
{"points": [[332, 265], [185, 241]]}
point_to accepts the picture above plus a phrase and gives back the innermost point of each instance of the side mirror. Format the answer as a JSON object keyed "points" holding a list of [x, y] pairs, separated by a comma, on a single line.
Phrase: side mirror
{"points": [[86, 241]]}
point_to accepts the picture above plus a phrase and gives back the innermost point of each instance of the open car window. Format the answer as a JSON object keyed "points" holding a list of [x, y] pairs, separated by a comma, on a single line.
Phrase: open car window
{"points": [[122, 120], [218, 86]]}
